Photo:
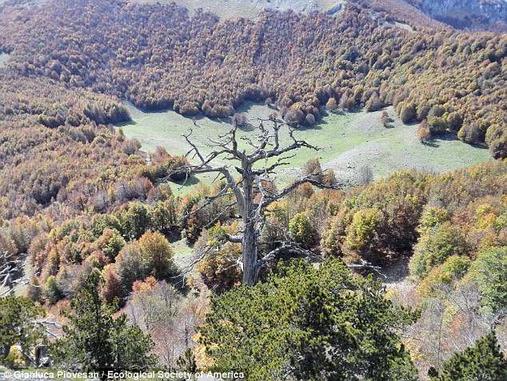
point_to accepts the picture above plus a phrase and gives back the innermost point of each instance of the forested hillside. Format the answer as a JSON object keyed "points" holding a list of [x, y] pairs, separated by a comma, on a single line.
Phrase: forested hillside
{"points": [[160, 57], [113, 258]]}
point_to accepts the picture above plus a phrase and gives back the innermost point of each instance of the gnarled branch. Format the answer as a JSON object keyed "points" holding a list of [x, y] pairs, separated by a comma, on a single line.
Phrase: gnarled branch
{"points": [[251, 197]]}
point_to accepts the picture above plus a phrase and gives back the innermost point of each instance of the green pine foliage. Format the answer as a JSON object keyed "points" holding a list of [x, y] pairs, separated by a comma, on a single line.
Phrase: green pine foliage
{"points": [[484, 361], [95, 341], [17, 324], [489, 271], [309, 323]]}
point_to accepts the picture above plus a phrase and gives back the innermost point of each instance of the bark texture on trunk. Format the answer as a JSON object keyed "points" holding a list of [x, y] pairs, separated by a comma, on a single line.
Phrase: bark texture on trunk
{"points": [[249, 246], [249, 241]]}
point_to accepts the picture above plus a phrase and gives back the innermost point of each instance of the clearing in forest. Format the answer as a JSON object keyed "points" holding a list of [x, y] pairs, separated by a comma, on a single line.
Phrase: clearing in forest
{"points": [[348, 142]]}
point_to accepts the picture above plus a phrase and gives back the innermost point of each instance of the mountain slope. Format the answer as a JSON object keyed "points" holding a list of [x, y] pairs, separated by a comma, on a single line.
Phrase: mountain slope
{"points": [[252, 8], [461, 14], [161, 57], [467, 14]]}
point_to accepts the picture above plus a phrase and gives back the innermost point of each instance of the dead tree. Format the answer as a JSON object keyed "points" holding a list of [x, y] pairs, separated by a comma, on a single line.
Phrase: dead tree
{"points": [[253, 168], [10, 269]]}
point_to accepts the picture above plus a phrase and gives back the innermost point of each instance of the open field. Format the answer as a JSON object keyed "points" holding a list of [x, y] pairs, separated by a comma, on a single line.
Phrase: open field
{"points": [[251, 8], [3, 59], [25, 3], [347, 142]]}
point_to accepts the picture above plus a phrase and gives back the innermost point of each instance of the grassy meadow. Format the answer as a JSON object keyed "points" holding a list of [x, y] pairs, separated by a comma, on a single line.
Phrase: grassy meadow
{"points": [[3, 59], [347, 142], [250, 8]]}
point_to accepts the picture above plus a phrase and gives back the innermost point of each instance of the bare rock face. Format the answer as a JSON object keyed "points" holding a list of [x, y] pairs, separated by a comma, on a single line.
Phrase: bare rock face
{"points": [[252, 8], [467, 14], [461, 14]]}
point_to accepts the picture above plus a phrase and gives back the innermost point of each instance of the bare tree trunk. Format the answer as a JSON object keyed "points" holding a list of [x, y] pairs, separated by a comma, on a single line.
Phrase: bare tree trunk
{"points": [[251, 197], [249, 240], [249, 246]]}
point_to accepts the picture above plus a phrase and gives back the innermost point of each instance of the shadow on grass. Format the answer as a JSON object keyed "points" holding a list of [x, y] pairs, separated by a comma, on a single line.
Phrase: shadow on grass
{"points": [[192, 180], [131, 122], [431, 143], [445, 137]]}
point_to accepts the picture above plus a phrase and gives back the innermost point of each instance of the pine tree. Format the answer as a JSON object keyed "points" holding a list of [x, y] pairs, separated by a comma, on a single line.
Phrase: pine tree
{"points": [[94, 341], [17, 324], [305, 323], [482, 362]]}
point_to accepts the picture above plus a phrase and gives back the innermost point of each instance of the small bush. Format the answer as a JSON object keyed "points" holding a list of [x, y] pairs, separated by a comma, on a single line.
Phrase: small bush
{"points": [[435, 247], [303, 231]]}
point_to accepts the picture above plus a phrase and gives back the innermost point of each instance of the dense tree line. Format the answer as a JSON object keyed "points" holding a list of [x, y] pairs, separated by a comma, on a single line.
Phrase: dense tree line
{"points": [[53, 140], [159, 56], [53, 104], [86, 205], [451, 225]]}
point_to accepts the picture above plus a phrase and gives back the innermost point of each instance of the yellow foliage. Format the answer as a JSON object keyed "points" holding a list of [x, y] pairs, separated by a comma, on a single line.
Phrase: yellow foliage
{"points": [[15, 359], [202, 360]]}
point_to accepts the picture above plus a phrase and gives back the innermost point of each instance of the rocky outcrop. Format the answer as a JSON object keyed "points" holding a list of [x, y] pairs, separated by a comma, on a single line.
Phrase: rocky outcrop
{"points": [[467, 14], [252, 8]]}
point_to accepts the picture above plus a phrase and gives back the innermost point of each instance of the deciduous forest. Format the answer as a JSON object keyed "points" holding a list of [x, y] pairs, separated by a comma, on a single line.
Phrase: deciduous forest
{"points": [[107, 265]]}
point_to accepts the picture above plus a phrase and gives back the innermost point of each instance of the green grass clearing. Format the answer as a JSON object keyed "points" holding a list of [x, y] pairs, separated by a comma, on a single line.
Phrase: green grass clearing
{"points": [[347, 142], [4, 57], [229, 9]]}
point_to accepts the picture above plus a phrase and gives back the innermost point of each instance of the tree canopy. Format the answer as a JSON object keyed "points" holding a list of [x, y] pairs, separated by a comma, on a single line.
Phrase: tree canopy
{"points": [[18, 324], [483, 361], [95, 341], [311, 324]]}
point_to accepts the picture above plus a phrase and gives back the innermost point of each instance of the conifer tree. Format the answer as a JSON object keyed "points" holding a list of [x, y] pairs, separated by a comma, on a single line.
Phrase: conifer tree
{"points": [[482, 362], [17, 324], [96, 342], [309, 324]]}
